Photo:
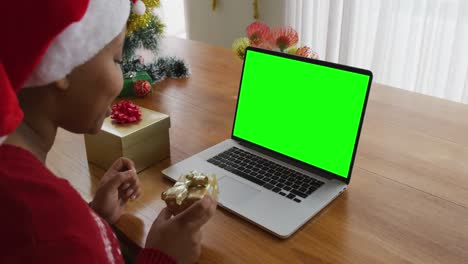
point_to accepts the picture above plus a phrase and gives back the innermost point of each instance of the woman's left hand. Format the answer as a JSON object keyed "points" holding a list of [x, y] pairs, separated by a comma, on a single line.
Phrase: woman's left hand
{"points": [[119, 184]]}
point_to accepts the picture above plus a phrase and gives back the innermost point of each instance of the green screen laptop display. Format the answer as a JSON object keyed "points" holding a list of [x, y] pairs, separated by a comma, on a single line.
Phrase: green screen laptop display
{"points": [[305, 111]]}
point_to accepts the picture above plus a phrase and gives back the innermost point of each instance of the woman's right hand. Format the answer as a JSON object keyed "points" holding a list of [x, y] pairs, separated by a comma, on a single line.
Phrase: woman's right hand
{"points": [[180, 236]]}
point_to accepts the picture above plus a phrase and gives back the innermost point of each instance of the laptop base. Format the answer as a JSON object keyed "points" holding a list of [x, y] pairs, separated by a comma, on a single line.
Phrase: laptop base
{"points": [[275, 213]]}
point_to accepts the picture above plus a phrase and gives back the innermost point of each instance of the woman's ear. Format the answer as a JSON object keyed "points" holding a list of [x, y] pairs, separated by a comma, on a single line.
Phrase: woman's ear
{"points": [[63, 83]]}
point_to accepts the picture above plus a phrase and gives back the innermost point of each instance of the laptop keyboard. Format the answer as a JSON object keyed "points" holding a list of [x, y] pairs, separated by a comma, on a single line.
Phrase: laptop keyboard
{"points": [[272, 176]]}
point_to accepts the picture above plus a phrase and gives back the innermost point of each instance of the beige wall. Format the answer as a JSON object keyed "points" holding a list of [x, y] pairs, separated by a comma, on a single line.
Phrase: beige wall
{"points": [[228, 21]]}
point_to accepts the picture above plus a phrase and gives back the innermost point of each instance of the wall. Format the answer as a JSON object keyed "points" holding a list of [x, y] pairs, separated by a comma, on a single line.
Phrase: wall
{"points": [[228, 21]]}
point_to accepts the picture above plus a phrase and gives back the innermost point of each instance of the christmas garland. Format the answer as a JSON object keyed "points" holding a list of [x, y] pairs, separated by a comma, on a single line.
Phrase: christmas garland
{"points": [[144, 31]]}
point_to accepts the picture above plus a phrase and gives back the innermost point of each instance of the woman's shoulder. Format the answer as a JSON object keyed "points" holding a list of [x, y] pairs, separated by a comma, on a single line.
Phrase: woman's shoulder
{"points": [[24, 178], [36, 195], [19, 164], [44, 212]]}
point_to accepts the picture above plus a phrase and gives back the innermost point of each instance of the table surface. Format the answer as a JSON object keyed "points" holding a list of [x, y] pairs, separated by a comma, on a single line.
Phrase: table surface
{"points": [[407, 201]]}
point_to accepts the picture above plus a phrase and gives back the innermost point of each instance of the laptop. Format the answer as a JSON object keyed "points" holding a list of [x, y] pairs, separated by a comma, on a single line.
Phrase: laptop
{"points": [[294, 138]]}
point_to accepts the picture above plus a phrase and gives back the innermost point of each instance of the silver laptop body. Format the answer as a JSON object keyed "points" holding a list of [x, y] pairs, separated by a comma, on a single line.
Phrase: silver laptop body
{"points": [[272, 210]]}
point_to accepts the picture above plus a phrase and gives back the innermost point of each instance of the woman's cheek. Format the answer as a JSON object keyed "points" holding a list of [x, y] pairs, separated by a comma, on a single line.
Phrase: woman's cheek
{"points": [[117, 81]]}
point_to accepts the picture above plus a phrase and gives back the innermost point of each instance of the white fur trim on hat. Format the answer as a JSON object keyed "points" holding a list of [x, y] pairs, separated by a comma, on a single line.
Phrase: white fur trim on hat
{"points": [[81, 41]]}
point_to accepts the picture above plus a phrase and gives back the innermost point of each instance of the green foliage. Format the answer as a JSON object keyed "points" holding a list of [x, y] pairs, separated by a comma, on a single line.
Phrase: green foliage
{"points": [[162, 68], [149, 38]]}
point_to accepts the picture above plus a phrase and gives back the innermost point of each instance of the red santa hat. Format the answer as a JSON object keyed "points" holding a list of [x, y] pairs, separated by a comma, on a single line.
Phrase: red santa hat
{"points": [[43, 41]]}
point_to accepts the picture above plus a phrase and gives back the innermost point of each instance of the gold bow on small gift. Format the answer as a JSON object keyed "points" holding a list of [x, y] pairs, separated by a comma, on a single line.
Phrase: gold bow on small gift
{"points": [[189, 188]]}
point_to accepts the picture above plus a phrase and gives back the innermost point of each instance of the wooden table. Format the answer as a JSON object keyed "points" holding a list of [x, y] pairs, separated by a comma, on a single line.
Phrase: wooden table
{"points": [[408, 198]]}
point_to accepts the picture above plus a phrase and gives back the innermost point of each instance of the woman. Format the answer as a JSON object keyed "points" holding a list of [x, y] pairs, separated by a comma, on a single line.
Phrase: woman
{"points": [[66, 73]]}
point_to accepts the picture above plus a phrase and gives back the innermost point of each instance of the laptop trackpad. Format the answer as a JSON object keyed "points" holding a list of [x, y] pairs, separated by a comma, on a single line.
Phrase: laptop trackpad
{"points": [[233, 191]]}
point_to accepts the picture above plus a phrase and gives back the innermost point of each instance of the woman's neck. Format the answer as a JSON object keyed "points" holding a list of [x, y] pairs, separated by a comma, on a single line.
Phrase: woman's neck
{"points": [[36, 136]]}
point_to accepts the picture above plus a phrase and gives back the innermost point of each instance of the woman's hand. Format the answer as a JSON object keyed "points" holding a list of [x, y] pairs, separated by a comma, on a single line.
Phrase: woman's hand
{"points": [[119, 184], [180, 236]]}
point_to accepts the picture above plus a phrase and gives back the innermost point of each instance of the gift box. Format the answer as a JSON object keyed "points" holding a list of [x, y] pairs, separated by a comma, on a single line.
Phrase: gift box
{"points": [[145, 141], [188, 189], [129, 82]]}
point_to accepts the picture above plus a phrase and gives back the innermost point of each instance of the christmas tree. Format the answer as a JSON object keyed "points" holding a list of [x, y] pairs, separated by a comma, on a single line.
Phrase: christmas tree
{"points": [[144, 32]]}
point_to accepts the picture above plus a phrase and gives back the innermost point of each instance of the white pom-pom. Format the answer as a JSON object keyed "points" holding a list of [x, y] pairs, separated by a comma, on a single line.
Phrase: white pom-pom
{"points": [[139, 8]]}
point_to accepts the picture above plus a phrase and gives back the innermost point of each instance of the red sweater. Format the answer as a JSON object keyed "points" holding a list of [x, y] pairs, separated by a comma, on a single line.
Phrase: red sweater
{"points": [[44, 220]]}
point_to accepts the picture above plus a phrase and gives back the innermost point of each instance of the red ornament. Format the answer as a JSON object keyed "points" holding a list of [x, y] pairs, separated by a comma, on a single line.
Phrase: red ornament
{"points": [[142, 88], [125, 112]]}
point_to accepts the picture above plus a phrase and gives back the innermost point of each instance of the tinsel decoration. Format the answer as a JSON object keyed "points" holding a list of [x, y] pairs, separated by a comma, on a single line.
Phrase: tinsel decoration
{"points": [[151, 3], [125, 112], [138, 21], [148, 38], [145, 32], [162, 68]]}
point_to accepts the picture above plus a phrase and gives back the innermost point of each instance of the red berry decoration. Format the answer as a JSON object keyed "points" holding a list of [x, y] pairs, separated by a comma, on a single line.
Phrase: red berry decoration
{"points": [[125, 112], [142, 88]]}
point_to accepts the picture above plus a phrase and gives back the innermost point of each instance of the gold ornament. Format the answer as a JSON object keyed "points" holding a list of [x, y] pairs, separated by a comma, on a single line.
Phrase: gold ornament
{"points": [[213, 4], [256, 15], [255, 8]]}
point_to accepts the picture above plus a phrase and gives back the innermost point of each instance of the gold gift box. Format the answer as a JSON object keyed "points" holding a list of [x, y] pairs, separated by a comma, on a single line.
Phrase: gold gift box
{"points": [[188, 189], [145, 142]]}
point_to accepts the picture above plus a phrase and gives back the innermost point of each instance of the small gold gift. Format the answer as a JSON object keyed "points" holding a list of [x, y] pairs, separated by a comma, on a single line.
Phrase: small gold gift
{"points": [[190, 188], [145, 142]]}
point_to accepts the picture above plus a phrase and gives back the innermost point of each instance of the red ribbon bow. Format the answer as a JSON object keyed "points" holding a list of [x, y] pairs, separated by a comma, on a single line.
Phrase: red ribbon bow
{"points": [[125, 112]]}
